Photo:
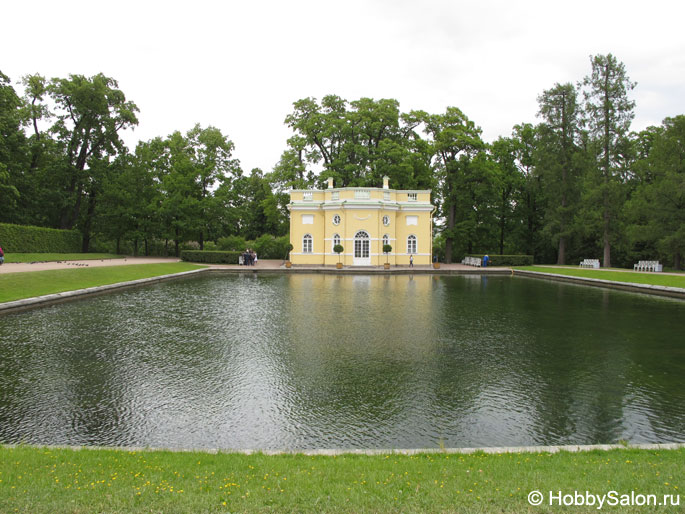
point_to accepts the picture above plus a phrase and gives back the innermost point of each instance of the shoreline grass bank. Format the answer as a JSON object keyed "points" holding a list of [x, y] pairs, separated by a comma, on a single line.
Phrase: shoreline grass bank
{"points": [[18, 286], [35, 479], [654, 279]]}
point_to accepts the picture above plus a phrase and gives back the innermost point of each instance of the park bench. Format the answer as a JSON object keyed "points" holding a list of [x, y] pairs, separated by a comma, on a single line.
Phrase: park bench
{"points": [[589, 263], [471, 261], [648, 266]]}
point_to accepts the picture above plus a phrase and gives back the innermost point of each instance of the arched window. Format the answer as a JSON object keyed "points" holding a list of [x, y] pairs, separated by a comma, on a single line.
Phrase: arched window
{"points": [[411, 244], [336, 241], [386, 239], [307, 244]]}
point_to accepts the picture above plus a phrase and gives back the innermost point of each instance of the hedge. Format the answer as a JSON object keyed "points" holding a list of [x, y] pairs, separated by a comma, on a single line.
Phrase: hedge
{"points": [[27, 239], [210, 257], [506, 260]]}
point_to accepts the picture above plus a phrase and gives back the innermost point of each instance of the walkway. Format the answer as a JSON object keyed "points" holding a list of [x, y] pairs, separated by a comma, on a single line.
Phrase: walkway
{"points": [[18, 267]]}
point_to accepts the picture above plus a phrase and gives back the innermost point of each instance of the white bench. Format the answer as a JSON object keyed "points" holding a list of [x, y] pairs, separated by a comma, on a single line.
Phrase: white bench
{"points": [[590, 263], [648, 266], [472, 261]]}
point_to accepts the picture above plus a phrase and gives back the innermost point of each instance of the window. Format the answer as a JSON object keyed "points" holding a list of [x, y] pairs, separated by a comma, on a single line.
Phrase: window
{"points": [[307, 196], [362, 194], [411, 244], [386, 239], [336, 220], [335, 195], [411, 197], [336, 241], [386, 196], [386, 220], [307, 243]]}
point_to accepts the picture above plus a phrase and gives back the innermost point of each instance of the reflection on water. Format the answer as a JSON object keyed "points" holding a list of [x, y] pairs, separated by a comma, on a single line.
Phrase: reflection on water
{"points": [[330, 361]]}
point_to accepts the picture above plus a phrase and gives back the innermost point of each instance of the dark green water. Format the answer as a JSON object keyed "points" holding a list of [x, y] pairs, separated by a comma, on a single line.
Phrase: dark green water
{"points": [[326, 361]]}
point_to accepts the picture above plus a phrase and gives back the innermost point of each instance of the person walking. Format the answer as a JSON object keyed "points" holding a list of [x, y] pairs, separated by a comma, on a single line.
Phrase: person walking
{"points": [[2, 256], [411, 261]]}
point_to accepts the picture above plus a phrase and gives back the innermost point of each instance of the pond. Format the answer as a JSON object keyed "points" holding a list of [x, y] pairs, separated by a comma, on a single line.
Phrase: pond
{"points": [[325, 361]]}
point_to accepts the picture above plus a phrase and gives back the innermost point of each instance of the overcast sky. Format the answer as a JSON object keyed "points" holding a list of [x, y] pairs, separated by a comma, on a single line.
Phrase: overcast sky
{"points": [[239, 66]]}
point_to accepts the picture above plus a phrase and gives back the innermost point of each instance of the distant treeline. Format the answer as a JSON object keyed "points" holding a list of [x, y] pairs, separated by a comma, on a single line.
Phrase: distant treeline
{"points": [[579, 184]]}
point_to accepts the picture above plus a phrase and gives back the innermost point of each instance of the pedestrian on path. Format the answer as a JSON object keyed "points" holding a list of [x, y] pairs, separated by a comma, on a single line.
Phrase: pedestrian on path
{"points": [[411, 261], [2, 256]]}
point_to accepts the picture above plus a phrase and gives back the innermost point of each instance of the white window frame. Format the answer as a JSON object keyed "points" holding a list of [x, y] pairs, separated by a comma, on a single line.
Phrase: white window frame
{"points": [[336, 241], [336, 217], [362, 194], [386, 221], [335, 195], [386, 240], [412, 197], [307, 196], [307, 243], [412, 244], [386, 196]]}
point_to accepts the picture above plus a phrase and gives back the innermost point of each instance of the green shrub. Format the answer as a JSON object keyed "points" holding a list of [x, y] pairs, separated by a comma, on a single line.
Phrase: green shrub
{"points": [[210, 257], [506, 260], [27, 239]]}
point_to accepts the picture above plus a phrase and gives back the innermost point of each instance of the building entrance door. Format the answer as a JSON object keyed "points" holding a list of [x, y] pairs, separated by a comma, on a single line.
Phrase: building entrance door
{"points": [[362, 256]]}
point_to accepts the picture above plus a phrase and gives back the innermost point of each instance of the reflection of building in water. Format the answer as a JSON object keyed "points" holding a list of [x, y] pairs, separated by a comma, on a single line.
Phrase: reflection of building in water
{"points": [[361, 313], [361, 220]]}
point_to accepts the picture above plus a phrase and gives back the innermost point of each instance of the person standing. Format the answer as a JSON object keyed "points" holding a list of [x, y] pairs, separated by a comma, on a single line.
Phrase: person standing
{"points": [[2, 256], [486, 259], [411, 261]]}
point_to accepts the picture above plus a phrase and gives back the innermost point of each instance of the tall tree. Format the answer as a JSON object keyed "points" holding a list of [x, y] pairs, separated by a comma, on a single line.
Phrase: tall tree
{"points": [[609, 113], [558, 161], [509, 181], [12, 143], [91, 113], [658, 204], [464, 174], [356, 143]]}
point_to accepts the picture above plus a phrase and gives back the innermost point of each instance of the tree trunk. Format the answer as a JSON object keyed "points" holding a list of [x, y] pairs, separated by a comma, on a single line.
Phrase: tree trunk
{"points": [[450, 226], [88, 222], [118, 245], [202, 240], [561, 256], [176, 243], [676, 260], [607, 245], [135, 247], [147, 253]]}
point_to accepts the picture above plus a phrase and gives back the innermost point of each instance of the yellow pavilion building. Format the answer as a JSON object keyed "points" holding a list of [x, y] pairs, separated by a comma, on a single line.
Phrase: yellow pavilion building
{"points": [[362, 220]]}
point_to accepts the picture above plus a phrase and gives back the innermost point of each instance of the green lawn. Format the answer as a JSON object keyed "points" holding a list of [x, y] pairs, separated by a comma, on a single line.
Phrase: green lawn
{"points": [[656, 279], [53, 257], [45, 480], [15, 286]]}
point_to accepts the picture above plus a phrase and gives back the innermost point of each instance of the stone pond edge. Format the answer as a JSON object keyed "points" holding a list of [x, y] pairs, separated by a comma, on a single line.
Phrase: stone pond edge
{"points": [[390, 451]]}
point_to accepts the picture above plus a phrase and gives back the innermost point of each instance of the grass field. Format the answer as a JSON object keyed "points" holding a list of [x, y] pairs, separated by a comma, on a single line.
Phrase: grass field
{"points": [[54, 257], [41, 480], [656, 279], [15, 286]]}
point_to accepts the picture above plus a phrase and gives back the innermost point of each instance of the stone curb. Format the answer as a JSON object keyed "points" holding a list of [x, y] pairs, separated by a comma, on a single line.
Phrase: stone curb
{"points": [[408, 451], [672, 292], [367, 271], [49, 299]]}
